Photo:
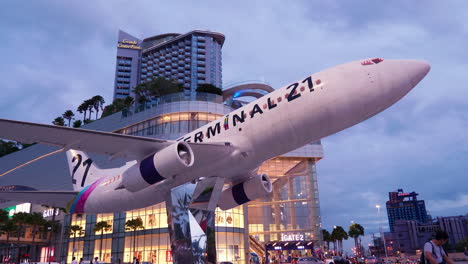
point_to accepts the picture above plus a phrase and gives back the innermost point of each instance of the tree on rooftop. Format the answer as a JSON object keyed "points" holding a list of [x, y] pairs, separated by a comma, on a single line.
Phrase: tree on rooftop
{"points": [[68, 115], [98, 104], [77, 123], [90, 104], [82, 109], [7, 147], [117, 105], [147, 91], [209, 88], [59, 121]]}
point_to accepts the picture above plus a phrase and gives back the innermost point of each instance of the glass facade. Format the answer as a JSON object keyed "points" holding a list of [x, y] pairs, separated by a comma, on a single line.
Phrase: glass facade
{"points": [[123, 74], [292, 212], [151, 243], [172, 123]]}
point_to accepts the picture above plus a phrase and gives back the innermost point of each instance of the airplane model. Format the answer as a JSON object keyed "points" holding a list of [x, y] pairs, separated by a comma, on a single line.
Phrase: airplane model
{"points": [[228, 150]]}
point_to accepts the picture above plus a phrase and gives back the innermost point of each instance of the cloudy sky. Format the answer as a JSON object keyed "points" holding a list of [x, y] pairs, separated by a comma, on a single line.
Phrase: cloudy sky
{"points": [[55, 54]]}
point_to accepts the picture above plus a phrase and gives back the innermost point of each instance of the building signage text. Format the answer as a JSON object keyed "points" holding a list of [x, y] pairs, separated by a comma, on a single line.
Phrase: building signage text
{"points": [[168, 255], [24, 208], [49, 212], [128, 44], [292, 237]]}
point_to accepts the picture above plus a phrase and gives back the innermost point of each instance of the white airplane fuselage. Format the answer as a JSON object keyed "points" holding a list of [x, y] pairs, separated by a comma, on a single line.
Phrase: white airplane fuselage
{"points": [[286, 119]]}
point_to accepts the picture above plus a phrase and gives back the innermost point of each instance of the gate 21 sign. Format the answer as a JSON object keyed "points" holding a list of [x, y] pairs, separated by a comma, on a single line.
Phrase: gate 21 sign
{"points": [[292, 237]]}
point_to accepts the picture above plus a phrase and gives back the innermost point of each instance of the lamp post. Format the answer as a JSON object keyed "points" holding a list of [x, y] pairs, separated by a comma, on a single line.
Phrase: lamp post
{"points": [[380, 230], [334, 242]]}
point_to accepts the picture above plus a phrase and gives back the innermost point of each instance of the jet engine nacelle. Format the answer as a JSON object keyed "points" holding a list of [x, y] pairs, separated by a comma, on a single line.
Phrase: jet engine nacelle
{"points": [[164, 164], [251, 189]]}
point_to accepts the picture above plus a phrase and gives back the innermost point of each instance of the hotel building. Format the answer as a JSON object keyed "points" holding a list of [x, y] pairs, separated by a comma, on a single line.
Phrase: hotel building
{"points": [[191, 59], [405, 206]]}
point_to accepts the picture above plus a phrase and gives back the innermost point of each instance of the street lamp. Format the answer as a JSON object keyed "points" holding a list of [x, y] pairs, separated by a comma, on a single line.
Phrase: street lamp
{"points": [[380, 230]]}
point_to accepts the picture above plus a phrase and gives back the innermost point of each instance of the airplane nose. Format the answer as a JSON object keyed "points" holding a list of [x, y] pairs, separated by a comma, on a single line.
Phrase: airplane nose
{"points": [[417, 70], [396, 79]]}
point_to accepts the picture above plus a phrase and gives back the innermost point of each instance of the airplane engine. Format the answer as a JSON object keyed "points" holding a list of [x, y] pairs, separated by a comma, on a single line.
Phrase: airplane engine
{"points": [[164, 164], [251, 189]]}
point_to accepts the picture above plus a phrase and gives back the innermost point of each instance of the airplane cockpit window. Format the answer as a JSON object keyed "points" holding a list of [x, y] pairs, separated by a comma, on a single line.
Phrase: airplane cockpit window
{"points": [[372, 61], [377, 60]]}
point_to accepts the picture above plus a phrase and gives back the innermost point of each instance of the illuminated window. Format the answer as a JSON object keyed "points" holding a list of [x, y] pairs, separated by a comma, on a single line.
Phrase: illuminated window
{"points": [[75, 249], [170, 123], [152, 216], [229, 247], [77, 220], [109, 218], [147, 248], [104, 254], [230, 218]]}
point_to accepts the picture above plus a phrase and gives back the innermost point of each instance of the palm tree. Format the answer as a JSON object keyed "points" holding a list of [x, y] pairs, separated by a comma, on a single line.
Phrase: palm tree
{"points": [[52, 226], [6, 225], [9, 227], [36, 221], [68, 115], [98, 103], [75, 230], [338, 234], [90, 105], [333, 239], [3, 217], [128, 101], [82, 109], [326, 238], [20, 219], [101, 227], [355, 231], [134, 225], [343, 235]]}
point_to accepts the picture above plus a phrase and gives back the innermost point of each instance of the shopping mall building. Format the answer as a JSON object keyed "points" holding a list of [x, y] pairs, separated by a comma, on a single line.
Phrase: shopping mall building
{"points": [[286, 222]]}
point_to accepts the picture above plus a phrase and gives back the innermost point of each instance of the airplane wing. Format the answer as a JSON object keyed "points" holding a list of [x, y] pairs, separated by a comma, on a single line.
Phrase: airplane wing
{"points": [[81, 139], [51, 198]]}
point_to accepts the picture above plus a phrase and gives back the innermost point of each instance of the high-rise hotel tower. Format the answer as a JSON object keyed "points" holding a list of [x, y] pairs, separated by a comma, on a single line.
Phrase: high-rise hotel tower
{"points": [[191, 59]]}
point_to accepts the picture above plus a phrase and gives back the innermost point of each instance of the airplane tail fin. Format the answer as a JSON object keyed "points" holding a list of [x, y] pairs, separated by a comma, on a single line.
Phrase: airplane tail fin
{"points": [[82, 169]]}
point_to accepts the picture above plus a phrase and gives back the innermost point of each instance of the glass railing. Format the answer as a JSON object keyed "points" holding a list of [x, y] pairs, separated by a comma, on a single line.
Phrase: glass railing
{"points": [[230, 85], [171, 98]]}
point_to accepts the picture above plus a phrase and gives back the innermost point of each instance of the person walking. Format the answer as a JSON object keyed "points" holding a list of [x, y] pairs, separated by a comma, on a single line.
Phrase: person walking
{"points": [[74, 261], [433, 251], [81, 261], [96, 260]]}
